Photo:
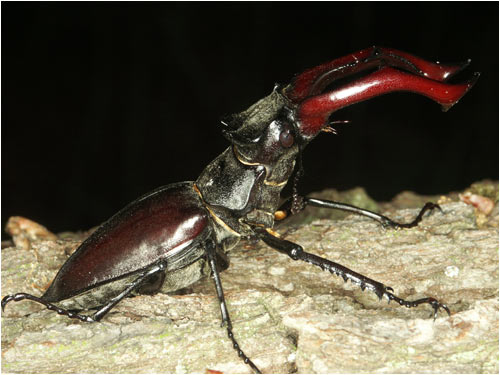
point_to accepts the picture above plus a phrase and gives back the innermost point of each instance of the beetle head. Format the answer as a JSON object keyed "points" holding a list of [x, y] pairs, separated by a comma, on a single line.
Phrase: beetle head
{"points": [[265, 132]]}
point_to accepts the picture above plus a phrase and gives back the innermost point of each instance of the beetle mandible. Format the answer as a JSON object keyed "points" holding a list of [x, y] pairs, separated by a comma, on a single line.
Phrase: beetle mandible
{"points": [[179, 233]]}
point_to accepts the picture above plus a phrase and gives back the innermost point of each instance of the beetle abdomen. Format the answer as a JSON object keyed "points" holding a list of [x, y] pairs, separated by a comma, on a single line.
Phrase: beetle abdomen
{"points": [[167, 223]]}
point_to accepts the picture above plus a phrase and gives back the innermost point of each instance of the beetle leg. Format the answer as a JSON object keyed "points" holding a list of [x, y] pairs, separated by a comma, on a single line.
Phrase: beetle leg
{"points": [[158, 267], [286, 210], [212, 261], [296, 252], [21, 296], [152, 285]]}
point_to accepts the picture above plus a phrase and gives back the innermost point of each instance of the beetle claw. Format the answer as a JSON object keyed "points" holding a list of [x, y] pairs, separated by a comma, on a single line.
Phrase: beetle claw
{"points": [[5, 301], [436, 305]]}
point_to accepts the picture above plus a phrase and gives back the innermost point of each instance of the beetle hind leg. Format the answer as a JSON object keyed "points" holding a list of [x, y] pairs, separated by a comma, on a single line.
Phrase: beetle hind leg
{"points": [[69, 313], [152, 284], [147, 275]]}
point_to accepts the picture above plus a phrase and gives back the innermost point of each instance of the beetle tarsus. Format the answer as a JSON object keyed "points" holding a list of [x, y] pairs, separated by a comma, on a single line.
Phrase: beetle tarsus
{"points": [[22, 296], [436, 305], [429, 206]]}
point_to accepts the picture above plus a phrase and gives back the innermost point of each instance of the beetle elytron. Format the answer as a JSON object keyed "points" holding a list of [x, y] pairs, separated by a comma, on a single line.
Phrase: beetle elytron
{"points": [[176, 234]]}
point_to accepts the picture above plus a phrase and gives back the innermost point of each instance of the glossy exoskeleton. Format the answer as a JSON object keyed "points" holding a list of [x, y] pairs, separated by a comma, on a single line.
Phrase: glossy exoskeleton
{"points": [[179, 233]]}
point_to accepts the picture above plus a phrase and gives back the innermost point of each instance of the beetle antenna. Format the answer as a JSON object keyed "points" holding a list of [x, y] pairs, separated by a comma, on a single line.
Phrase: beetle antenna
{"points": [[329, 129]]}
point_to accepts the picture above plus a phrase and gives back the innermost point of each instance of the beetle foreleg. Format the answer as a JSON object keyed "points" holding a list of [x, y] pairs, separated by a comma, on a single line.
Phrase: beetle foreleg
{"points": [[287, 210], [212, 261], [296, 252], [158, 267]]}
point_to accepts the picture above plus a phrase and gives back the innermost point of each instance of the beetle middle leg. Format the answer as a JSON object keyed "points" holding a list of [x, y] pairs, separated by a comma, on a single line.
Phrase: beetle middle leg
{"points": [[212, 257], [296, 252], [145, 276], [286, 210]]}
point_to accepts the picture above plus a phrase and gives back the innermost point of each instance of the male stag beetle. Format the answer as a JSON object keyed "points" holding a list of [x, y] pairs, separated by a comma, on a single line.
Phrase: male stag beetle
{"points": [[179, 233]]}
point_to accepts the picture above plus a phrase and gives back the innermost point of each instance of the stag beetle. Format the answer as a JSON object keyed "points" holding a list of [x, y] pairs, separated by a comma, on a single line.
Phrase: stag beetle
{"points": [[179, 233]]}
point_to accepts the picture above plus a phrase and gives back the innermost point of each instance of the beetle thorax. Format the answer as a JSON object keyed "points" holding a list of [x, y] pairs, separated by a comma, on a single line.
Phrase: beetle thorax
{"points": [[242, 186]]}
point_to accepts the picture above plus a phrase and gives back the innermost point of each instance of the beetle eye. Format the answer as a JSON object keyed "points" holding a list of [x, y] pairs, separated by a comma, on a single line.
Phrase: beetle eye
{"points": [[286, 138]]}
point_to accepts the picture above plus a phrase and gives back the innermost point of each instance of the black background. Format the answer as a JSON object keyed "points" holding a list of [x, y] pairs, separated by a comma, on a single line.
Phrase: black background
{"points": [[102, 102]]}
